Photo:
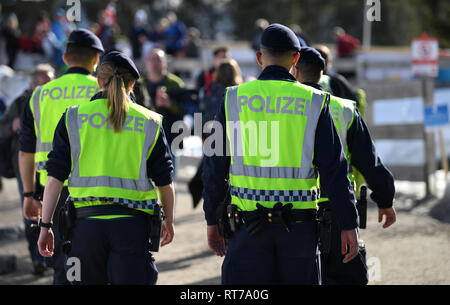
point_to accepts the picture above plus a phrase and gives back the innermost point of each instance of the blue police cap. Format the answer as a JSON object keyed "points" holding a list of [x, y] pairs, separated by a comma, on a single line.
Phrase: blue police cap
{"points": [[279, 37], [308, 54], [85, 38], [121, 60]]}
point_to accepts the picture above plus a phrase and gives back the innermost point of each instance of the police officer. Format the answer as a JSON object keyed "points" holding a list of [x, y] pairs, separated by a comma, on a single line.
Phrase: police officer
{"points": [[333, 82], [361, 154], [275, 194], [108, 150], [41, 116]]}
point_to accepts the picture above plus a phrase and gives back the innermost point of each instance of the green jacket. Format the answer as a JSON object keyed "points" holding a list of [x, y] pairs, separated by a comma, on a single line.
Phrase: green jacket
{"points": [[144, 97]]}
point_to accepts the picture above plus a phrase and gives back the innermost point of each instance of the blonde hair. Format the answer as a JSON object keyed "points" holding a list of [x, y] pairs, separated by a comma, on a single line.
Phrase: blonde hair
{"points": [[228, 73], [117, 82]]}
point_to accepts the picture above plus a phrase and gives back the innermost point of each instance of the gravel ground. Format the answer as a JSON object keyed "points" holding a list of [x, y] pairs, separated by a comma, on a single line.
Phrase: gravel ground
{"points": [[413, 251]]}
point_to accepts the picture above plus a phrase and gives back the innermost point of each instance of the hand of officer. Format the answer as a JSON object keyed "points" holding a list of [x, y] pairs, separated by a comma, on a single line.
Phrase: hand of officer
{"points": [[389, 215], [46, 242], [167, 233], [215, 241], [349, 244], [31, 208]]}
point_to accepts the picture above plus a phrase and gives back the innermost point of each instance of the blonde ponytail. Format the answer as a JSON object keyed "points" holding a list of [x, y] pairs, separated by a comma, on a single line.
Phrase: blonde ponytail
{"points": [[116, 82]]}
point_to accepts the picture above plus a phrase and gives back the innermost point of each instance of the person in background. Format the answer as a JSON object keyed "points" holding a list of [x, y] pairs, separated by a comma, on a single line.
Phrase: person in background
{"points": [[153, 91], [61, 28], [157, 35], [304, 42], [175, 34], [10, 127], [138, 33], [227, 74], [346, 44], [191, 48], [10, 33], [260, 24], [41, 31], [108, 27], [205, 78], [333, 82]]}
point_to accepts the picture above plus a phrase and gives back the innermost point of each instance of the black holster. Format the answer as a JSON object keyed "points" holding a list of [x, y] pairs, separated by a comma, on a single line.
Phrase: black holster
{"points": [[324, 220], [38, 189], [155, 223], [256, 221], [222, 220], [234, 218], [361, 206], [66, 223]]}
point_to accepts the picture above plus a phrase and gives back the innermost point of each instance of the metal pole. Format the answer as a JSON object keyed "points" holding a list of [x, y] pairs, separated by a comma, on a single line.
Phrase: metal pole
{"points": [[367, 30], [443, 154]]}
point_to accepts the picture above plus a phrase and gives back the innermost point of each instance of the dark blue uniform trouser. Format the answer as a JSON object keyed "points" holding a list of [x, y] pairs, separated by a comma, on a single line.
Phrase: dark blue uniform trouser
{"points": [[113, 251], [334, 271], [273, 256]]}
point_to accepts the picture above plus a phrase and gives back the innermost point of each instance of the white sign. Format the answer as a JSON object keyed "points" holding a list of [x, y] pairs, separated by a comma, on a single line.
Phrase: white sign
{"points": [[425, 56]]}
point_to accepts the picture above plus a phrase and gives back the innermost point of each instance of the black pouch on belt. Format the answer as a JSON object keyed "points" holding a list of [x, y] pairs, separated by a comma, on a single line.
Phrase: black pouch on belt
{"points": [[254, 222]]}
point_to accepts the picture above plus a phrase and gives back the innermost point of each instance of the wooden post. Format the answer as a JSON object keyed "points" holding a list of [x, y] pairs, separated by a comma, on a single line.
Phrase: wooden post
{"points": [[429, 137]]}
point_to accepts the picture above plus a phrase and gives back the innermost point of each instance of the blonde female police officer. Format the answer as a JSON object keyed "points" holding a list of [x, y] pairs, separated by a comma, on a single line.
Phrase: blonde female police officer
{"points": [[108, 149]]}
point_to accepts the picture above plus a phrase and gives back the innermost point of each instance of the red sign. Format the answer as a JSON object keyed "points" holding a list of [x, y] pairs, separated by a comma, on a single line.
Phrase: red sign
{"points": [[425, 56]]}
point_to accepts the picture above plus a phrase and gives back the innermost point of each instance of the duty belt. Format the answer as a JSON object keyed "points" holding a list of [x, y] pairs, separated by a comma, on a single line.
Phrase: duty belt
{"points": [[256, 220], [154, 220], [109, 209], [274, 217]]}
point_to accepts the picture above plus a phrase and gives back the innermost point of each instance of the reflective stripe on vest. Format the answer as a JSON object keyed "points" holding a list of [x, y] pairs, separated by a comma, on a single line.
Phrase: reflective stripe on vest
{"points": [[343, 112], [298, 185], [46, 146], [271, 195], [142, 184], [134, 204]]}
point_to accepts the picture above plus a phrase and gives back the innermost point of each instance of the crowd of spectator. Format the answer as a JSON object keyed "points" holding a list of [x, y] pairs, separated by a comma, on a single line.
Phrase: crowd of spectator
{"points": [[49, 35]]}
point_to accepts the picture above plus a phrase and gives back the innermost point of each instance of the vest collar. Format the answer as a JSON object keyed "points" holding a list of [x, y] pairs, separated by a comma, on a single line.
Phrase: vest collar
{"points": [[314, 85], [276, 73], [77, 70], [99, 95], [102, 95]]}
